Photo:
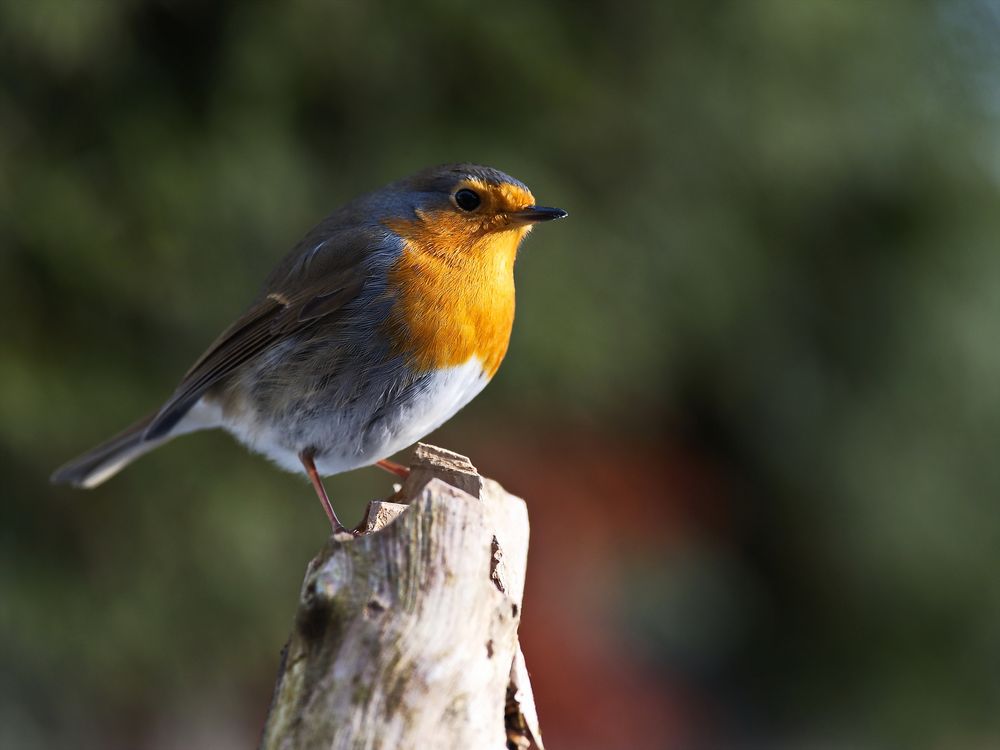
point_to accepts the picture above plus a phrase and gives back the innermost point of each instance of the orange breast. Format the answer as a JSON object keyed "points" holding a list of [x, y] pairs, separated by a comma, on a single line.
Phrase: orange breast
{"points": [[455, 293]]}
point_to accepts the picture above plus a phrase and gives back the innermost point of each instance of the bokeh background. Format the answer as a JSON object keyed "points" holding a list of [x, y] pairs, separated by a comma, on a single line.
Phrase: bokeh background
{"points": [[752, 398]]}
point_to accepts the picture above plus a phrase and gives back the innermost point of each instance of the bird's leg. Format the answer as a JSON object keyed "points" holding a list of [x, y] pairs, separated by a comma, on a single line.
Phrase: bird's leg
{"points": [[393, 468], [306, 457]]}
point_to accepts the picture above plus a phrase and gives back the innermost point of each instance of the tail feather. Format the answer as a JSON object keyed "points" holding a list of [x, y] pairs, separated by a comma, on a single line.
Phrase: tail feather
{"points": [[107, 459]]}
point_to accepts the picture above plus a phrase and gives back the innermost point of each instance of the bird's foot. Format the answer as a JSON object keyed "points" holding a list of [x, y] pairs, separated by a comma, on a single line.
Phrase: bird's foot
{"points": [[393, 468]]}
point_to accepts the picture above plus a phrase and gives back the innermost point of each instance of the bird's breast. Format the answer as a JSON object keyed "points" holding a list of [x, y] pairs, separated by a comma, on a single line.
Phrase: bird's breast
{"points": [[452, 303]]}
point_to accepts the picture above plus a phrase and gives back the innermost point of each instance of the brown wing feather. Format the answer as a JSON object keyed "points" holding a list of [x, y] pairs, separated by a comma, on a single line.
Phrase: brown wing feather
{"points": [[266, 323]]}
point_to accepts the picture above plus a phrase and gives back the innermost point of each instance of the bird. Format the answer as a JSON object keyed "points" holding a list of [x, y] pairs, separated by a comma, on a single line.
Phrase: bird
{"points": [[388, 317]]}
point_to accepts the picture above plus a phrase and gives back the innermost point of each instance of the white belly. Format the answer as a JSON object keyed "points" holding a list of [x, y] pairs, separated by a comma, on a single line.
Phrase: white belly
{"points": [[349, 439], [447, 392]]}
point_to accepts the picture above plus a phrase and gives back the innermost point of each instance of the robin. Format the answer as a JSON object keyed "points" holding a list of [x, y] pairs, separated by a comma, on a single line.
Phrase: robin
{"points": [[386, 319]]}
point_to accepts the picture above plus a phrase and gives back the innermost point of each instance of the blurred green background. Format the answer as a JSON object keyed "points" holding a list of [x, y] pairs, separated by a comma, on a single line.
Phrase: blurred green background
{"points": [[752, 398]]}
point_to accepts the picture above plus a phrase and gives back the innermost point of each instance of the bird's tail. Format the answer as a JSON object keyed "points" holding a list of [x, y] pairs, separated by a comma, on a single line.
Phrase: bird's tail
{"points": [[107, 459], [101, 463]]}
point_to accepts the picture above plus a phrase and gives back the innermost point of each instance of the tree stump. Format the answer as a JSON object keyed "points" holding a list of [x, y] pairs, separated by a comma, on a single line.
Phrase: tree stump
{"points": [[406, 635]]}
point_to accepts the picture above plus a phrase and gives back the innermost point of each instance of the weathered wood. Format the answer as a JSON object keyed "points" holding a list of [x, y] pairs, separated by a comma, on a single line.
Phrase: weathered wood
{"points": [[406, 635]]}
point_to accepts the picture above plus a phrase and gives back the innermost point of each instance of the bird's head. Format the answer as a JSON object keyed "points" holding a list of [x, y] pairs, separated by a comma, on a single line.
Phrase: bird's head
{"points": [[467, 211]]}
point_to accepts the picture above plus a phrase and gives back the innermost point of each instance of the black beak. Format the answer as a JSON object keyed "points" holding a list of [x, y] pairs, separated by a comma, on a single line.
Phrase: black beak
{"points": [[535, 214]]}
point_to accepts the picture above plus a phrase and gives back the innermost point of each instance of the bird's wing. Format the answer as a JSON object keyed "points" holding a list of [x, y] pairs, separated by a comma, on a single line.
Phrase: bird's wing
{"points": [[316, 280]]}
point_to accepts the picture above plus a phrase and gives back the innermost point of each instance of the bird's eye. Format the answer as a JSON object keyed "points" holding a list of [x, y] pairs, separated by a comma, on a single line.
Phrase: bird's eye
{"points": [[467, 200]]}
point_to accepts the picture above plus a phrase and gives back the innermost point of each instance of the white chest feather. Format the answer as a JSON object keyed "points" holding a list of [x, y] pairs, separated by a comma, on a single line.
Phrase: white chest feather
{"points": [[446, 392]]}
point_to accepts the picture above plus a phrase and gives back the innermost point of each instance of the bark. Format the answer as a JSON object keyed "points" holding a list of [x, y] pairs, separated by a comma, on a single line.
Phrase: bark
{"points": [[406, 635]]}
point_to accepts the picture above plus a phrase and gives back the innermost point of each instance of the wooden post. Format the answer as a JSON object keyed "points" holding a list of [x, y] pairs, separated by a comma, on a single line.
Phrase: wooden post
{"points": [[406, 635]]}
